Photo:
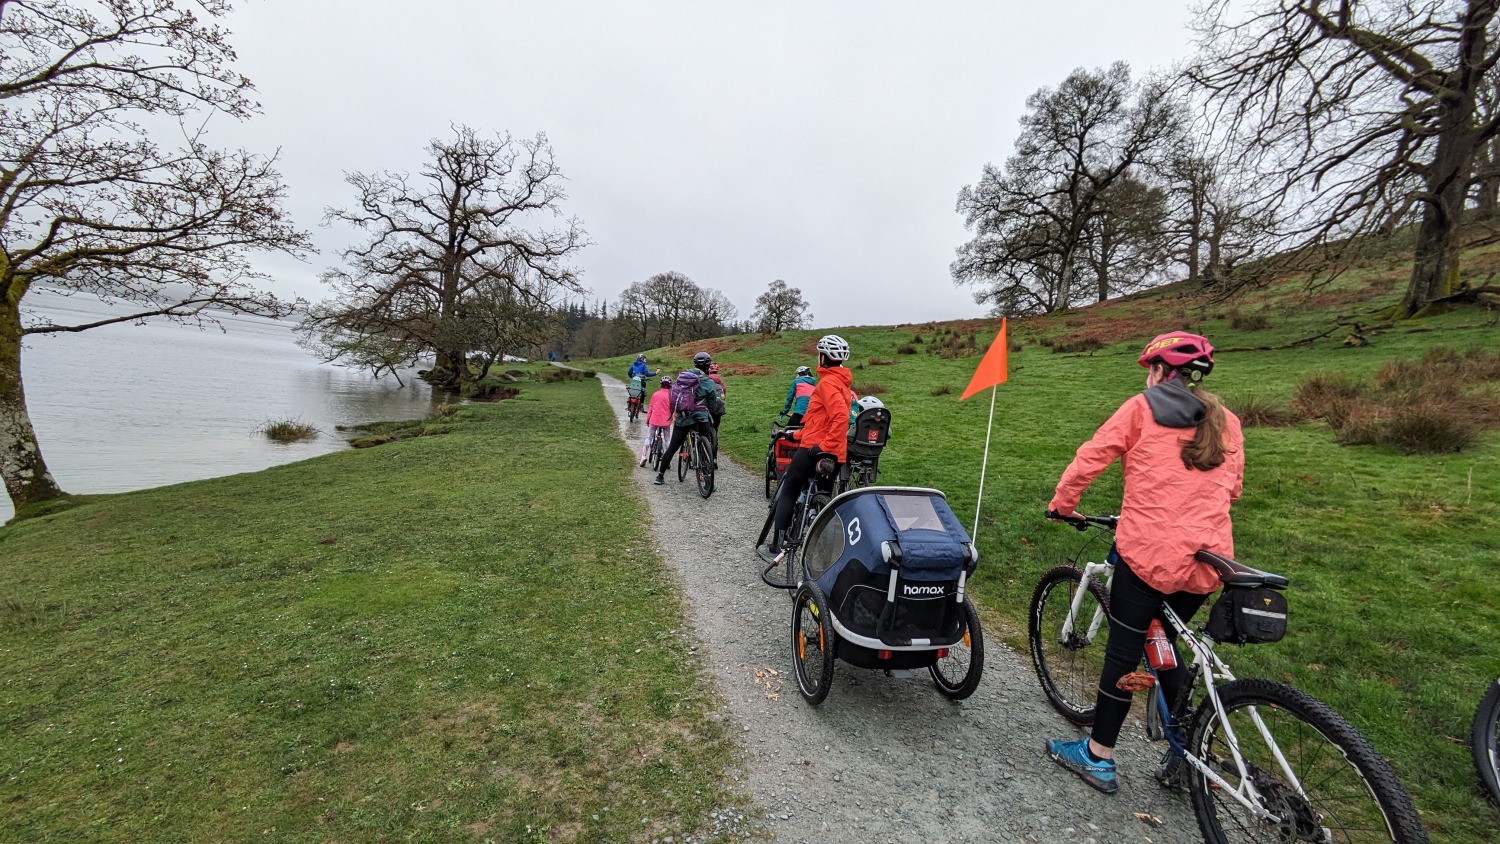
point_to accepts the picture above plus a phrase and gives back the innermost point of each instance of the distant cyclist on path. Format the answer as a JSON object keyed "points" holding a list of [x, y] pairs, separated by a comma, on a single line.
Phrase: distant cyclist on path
{"points": [[692, 393]]}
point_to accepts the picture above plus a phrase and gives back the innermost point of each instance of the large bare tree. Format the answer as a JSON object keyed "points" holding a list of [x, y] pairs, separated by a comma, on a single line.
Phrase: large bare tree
{"points": [[1361, 114], [781, 308], [93, 203], [1033, 219], [473, 218]]}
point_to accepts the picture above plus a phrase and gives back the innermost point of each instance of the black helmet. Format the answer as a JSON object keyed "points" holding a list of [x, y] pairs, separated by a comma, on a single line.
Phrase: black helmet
{"points": [[702, 360]]}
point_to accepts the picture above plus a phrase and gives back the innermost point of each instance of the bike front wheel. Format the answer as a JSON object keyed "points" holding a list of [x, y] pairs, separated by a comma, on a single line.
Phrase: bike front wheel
{"points": [[1069, 658], [1348, 792], [1484, 742], [684, 462]]}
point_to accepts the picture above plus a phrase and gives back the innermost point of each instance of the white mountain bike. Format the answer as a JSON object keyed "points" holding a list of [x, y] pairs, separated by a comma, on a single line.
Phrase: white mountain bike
{"points": [[1262, 761]]}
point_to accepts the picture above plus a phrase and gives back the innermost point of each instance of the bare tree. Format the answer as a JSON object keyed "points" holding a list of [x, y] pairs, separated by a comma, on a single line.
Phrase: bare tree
{"points": [[92, 203], [467, 223], [1032, 219], [1213, 218], [1361, 114], [781, 308]]}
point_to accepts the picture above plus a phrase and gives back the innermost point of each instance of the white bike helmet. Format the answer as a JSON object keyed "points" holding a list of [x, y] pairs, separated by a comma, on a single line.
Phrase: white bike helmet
{"points": [[833, 347], [868, 402], [803, 370]]}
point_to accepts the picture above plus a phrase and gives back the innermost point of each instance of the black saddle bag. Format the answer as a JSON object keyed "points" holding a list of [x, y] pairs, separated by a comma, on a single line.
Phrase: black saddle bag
{"points": [[1248, 615]]}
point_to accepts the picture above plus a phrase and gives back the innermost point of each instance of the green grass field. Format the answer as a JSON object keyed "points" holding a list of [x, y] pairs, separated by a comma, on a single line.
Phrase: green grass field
{"points": [[1395, 609], [457, 637]]}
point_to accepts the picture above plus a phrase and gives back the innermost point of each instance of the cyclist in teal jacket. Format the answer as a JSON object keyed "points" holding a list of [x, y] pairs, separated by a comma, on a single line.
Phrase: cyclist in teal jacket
{"points": [[798, 395]]}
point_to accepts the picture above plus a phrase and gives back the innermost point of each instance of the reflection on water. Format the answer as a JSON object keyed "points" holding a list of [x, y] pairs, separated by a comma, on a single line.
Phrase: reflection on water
{"points": [[132, 406]]}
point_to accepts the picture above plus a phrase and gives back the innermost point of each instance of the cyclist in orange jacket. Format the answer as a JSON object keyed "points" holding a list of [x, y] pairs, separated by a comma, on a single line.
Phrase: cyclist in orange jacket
{"points": [[825, 430]]}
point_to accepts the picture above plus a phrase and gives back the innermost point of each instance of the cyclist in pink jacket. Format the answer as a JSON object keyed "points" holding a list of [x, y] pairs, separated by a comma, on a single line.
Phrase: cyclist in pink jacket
{"points": [[1183, 457], [658, 417]]}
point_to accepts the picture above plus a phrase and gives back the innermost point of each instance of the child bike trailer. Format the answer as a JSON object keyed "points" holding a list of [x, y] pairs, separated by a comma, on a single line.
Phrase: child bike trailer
{"points": [[883, 573]]}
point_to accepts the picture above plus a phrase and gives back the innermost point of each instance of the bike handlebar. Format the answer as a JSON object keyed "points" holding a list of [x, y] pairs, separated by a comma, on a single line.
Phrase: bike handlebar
{"points": [[1081, 523]]}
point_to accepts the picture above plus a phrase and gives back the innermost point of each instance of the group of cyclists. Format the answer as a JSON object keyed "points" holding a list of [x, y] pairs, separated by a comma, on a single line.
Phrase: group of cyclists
{"points": [[1183, 459]]}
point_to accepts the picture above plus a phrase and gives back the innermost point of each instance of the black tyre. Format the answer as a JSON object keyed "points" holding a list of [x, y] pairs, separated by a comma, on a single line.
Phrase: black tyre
{"points": [[703, 462], [957, 674], [635, 409], [684, 460], [657, 449], [1484, 742], [1068, 664], [771, 473], [1349, 792], [814, 643]]}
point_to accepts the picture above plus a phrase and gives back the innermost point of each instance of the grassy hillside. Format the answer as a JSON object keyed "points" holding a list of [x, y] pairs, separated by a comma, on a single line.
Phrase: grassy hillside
{"points": [[1395, 609], [433, 640]]}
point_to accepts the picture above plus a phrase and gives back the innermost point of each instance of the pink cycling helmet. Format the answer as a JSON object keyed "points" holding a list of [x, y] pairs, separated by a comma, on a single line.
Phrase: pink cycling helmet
{"points": [[1181, 351]]}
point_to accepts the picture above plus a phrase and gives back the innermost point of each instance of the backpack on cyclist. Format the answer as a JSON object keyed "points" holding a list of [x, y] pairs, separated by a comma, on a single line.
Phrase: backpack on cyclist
{"points": [[716, 403], [685, 392]]}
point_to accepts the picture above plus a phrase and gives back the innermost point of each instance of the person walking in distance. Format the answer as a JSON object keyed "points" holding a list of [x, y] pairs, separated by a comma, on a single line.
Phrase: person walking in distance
{"points": [[1183, 456], [825, 430], [658, 416], [692, 391]]}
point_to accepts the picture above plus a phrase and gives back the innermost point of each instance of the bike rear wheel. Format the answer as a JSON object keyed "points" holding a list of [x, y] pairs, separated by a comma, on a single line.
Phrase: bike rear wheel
{"points": [[1349, 792], [1484, 742], [635, 409], [1068, 666]]}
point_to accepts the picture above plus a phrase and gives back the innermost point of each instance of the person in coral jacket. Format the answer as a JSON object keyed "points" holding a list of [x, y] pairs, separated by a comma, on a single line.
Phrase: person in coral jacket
{"points": [[825, 430], [658, 417], [1183, 457]]}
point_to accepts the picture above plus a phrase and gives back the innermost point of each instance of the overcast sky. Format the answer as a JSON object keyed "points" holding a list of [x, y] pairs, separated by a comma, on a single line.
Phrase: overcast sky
{"points": [[823, 143]]}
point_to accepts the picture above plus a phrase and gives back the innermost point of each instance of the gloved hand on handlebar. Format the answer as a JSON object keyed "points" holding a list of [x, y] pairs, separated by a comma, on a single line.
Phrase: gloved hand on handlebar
{"points": [[1073, 519]]}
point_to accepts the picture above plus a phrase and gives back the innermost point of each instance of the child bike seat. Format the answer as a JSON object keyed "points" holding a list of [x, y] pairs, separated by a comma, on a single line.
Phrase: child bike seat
{"points": [[1239, 574]]}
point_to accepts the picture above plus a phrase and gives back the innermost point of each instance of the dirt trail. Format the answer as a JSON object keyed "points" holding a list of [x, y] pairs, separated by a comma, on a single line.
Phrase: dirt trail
{"points": [[883, 759]]}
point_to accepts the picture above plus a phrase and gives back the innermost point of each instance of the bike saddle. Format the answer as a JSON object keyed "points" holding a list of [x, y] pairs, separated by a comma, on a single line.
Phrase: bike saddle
{"points": [[1239, 574]]}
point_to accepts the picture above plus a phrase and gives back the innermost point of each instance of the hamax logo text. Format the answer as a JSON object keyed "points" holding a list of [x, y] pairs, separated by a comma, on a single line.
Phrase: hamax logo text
{"points": [[909, 589]]}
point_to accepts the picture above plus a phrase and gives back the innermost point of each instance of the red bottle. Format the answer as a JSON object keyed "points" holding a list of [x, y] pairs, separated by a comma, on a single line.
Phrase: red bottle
{"points": [[1159, 651]]}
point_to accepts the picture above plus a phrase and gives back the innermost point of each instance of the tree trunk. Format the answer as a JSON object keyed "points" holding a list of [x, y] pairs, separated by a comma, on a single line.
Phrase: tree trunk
{"points": [[21, 466], [1434, 272]]}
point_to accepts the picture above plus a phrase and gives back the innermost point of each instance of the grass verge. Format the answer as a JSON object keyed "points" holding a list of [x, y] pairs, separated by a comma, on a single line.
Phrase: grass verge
{"points": [[429, 641]]}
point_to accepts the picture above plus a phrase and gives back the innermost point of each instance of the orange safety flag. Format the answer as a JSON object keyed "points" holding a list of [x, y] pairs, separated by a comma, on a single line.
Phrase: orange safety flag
{"points": [[992, 369]]}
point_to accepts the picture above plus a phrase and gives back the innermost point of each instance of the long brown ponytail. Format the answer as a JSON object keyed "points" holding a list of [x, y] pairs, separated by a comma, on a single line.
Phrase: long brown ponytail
{"points": [[1205, 450]]}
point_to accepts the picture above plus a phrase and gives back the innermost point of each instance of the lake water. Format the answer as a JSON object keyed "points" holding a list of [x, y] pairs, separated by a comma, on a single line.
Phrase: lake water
{"points": [[127, 407]]}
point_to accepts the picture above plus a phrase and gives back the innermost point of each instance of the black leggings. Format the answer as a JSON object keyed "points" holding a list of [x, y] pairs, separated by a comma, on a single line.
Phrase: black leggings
{"points": [[1132, 605], [679, 436], [804, 464]]}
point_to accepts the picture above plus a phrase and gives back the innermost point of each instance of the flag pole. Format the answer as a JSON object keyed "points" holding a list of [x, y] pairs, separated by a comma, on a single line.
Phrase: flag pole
{"points": [[984, 465]]}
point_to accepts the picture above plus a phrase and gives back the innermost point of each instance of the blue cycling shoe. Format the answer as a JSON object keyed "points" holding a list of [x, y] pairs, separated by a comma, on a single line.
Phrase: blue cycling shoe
{"points": [[1074, 755]]}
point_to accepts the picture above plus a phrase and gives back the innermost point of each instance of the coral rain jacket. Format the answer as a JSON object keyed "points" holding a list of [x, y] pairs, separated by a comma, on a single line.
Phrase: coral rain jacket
{"points": [[659, 412], [1169, 511], [826, 424]]}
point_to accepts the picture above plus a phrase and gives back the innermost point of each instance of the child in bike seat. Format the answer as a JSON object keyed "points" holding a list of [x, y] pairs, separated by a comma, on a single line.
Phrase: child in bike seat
{"points": [[1184, 462]]}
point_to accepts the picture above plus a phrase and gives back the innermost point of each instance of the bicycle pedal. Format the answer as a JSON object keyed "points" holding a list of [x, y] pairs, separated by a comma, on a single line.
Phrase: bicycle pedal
{"points": [[1135, 681]]}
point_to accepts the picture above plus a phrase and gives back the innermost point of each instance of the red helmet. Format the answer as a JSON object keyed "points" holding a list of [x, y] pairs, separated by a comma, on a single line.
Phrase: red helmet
{"points": [[1180, 350]]}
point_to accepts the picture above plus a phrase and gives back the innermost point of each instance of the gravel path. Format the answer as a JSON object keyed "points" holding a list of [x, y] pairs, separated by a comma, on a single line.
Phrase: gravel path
{"points": [[883, 759]]}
